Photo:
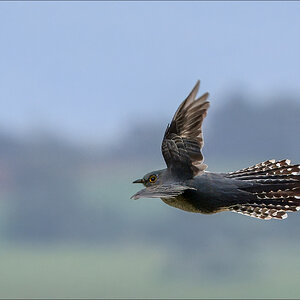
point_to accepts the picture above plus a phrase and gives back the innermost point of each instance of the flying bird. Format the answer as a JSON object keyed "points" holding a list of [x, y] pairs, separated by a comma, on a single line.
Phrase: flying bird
{"points": [[267, 190]]}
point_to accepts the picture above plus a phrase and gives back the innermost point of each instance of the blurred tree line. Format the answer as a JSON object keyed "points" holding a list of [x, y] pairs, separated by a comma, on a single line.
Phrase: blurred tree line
{"points": [[48, 183]]}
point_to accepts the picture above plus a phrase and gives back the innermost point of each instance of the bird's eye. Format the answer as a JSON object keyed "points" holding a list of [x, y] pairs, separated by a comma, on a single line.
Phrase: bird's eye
{"points": [[152, 178]]}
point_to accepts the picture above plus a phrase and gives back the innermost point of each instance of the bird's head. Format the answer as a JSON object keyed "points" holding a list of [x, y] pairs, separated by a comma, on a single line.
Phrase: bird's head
{"points": [[152, 178], [159, 184], [154, 182]]}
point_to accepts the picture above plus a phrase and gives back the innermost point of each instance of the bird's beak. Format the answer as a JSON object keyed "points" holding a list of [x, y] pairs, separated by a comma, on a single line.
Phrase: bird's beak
{"points": [[139, 181]]}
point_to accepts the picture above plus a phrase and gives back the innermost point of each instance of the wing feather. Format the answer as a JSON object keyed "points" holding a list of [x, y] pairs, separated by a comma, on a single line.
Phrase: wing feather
{"points": [[183, 139]]}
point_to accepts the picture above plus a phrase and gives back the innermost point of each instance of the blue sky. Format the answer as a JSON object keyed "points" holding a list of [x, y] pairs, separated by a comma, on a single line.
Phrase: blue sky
{"points": [[88, 70]]}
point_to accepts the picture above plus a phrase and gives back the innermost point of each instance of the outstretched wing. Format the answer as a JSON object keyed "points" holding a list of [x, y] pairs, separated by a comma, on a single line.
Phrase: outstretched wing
{"points": [[183, 139]]}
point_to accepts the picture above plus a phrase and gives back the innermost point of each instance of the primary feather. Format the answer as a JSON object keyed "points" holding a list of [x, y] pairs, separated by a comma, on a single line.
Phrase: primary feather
{"points": [[183, 139]]}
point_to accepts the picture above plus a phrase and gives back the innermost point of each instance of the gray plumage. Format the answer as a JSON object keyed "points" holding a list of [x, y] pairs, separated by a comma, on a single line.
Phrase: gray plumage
{"points": [[267, 190]]}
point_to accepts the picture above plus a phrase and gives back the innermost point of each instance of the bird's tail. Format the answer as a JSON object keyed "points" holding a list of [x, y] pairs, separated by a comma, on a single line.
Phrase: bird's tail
{"points": [[273, 189]]}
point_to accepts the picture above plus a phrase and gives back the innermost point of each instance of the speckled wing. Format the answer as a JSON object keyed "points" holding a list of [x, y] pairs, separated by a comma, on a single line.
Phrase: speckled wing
{"points": [[183, 139], [162, 191]]}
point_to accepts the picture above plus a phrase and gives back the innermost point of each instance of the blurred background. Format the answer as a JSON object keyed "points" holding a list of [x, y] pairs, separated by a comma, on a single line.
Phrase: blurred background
{"points": [[86, 91]]}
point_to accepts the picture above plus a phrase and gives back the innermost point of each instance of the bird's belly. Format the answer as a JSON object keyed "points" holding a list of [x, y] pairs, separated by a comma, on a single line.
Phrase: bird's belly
{"points": [[196, 204], [183, 204]]}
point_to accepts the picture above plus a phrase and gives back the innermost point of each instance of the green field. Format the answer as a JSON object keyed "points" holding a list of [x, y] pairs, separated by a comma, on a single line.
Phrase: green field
{"points": [[142, 271]]}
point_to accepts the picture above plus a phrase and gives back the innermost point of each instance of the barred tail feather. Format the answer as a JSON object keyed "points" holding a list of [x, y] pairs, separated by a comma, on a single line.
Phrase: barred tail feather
{"points": [[265, 211], [273, 189]]}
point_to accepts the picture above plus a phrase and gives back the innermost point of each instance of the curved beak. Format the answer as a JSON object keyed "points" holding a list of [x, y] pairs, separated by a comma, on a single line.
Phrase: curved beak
{"points": [[139, 181]]}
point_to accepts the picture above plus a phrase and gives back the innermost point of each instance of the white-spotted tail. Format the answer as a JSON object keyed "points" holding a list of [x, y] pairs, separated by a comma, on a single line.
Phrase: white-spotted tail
{"points": [[273, 189]]}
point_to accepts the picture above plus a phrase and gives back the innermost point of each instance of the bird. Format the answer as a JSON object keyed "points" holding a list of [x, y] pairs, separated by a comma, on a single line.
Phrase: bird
{"points": [[267, 190]]}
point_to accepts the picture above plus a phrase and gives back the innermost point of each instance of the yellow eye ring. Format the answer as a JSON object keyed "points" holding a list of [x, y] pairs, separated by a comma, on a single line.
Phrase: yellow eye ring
{"points": [[152, 178]]}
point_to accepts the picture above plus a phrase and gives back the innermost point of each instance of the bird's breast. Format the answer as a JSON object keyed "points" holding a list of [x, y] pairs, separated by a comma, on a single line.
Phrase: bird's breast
{"points": [[181, 203], [186, 204]]}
